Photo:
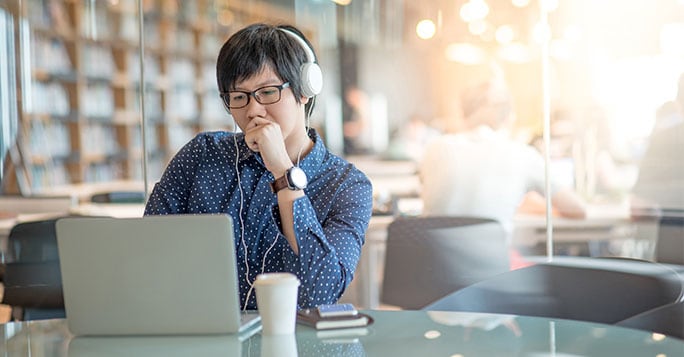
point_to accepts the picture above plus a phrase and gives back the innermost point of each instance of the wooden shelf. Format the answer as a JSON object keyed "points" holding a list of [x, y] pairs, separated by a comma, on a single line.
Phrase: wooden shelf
{"points": [[86, 84]]}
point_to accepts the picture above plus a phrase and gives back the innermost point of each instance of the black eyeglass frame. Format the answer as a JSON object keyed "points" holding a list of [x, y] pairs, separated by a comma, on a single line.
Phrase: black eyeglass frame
{"points": [[226, 99]]}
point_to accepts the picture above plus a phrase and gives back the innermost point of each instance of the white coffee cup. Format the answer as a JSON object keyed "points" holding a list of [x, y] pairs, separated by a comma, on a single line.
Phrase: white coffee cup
{"points": [[276, 295]]}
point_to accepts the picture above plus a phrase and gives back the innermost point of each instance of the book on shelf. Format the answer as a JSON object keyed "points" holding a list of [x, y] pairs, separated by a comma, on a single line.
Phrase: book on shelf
{"points": [[310, 317]]}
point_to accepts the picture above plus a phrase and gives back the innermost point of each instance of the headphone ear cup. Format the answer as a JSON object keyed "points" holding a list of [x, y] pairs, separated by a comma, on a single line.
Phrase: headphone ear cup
{"points": [[312, 79]]}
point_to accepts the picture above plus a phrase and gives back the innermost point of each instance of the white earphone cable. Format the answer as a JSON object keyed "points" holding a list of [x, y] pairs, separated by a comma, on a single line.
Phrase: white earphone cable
{"points": [[263, 267], [242, 229], [242, 221], [240, 212]]}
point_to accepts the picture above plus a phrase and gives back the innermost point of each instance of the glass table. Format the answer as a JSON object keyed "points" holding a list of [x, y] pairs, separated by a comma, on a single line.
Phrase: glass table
{"points": [[394, 333]]}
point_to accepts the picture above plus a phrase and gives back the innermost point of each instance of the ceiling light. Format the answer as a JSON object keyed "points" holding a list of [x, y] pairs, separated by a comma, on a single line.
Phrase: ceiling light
{"points": [[474, 10], [426, 29]]}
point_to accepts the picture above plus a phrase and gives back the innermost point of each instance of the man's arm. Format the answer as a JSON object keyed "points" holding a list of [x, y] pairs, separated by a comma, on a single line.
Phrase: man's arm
{"points": [[329, 252], [568, 204]]}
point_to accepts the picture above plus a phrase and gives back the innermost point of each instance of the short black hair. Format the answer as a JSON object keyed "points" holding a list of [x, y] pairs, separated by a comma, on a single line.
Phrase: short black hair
{"points": [[258, 45]]}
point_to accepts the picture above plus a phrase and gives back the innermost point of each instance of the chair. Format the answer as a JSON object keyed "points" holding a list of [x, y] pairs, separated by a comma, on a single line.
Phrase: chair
{"points": [[670, 244], [430, 257], [577, 288], [668, 320], [32, 279]]}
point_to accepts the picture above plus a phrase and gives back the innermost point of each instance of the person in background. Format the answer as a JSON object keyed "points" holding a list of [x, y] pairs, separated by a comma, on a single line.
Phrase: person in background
{"points": [[659, 191], [660, 184], [296, 207], [356, 122], [483, 172]]}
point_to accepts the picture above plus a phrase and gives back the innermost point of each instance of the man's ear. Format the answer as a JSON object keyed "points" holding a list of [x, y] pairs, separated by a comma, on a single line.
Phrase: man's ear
{"points": [[305, 100]]}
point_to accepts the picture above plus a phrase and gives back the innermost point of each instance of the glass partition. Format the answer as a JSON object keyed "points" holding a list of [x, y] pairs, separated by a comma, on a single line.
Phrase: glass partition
{"points": [[8, 103]]}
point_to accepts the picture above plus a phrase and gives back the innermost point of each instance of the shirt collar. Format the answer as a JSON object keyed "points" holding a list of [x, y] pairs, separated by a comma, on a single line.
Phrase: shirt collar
{"points": [[315, 157]]}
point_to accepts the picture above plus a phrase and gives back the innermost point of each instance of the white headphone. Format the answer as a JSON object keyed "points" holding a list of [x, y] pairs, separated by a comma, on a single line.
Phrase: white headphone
{"points": [[310, 72]]}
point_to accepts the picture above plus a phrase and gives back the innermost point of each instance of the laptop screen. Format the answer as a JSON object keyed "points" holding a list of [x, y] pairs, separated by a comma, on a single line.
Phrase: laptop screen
{"points": [[153, 275]]}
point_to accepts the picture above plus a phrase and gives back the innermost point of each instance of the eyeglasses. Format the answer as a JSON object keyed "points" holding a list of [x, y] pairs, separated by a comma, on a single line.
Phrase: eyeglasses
{"points": [[237, 99]]}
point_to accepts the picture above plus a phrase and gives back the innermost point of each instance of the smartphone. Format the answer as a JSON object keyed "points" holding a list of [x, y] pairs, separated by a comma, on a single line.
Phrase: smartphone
{"points": [[337, 310]]}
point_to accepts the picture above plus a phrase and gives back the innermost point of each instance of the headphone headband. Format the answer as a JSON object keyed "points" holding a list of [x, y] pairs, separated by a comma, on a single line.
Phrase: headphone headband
{"points": [[310, 72], [311, 58]]}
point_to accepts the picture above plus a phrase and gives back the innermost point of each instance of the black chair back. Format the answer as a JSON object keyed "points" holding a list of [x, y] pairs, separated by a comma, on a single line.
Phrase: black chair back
{"points": [[670, 243], [430, 257], [32, 279]]}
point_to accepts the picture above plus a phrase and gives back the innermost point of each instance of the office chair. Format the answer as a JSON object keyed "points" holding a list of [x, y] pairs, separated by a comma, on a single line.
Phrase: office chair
{"points": [[32, 279], [576, 288], [668, 320], [430, 257], [670, 244]]}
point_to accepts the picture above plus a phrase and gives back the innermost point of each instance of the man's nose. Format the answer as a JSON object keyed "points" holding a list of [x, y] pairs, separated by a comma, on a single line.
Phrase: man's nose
{"points": [[254, 108]]}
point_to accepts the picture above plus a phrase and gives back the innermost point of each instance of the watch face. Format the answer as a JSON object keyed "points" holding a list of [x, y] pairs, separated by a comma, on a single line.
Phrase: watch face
{"points": [[297, 178]]}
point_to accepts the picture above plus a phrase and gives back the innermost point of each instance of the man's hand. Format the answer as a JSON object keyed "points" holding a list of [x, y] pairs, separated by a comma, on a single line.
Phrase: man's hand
{"points": [[265, 137]]}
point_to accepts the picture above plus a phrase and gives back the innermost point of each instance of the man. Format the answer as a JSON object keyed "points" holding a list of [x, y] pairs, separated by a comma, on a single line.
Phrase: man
{"points": [[296, 207]]}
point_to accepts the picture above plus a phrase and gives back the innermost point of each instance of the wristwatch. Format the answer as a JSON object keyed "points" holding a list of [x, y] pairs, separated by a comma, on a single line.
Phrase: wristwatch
{"points": [[294, 179]]}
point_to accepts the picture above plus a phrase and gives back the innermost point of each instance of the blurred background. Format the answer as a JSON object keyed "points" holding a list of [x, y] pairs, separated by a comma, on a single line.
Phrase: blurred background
{"points": [[591, 84], [71, 78]]}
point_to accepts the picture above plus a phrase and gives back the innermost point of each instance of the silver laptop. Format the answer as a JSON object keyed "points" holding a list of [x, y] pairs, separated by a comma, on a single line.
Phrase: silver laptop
{"points": [[156, 275]]}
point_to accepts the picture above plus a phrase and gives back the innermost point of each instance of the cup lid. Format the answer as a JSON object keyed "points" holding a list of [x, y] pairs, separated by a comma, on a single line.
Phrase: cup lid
{"points": [[276, 279]]}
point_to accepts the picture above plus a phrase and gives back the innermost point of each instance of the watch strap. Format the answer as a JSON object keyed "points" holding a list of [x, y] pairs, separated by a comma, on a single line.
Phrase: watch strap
{"points": [[279, 184]]}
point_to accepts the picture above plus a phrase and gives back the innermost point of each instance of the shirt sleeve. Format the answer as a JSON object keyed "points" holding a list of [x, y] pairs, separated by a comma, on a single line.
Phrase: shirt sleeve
{"points": [[170, 194], [329, 252]]}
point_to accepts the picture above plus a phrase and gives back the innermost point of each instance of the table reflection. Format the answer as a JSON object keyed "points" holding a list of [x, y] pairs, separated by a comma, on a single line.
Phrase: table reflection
{"points": [[394, 333]]}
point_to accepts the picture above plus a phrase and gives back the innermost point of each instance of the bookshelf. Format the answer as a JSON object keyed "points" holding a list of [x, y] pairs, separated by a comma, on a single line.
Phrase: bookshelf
{"points": [[81, 117]]}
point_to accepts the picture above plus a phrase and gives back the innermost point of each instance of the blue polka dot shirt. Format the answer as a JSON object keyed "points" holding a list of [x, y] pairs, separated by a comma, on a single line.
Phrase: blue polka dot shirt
{"points": [[330, 221]]}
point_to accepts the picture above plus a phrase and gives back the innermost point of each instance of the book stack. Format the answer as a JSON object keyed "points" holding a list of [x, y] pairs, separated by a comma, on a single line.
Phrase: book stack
{"points": [[311, 317]]}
